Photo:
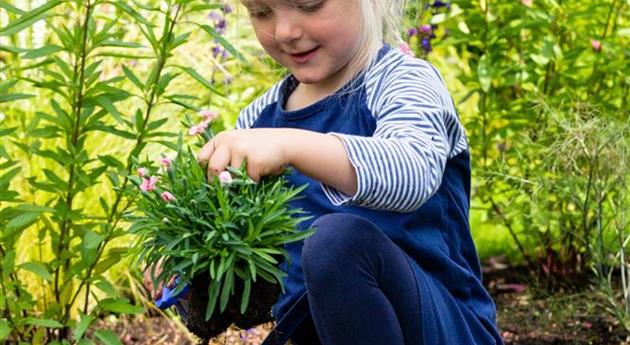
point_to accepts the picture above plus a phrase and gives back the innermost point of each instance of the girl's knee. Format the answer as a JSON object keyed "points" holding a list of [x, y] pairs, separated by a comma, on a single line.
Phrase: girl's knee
{"points": [[338, 239], [338, 232]]}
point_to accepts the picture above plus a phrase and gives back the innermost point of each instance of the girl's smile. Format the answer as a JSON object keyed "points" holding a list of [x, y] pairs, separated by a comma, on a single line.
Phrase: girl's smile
{"points": [[304, 56]]}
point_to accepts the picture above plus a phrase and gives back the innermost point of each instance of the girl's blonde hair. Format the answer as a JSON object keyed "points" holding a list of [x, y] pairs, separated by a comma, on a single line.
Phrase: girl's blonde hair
{"points": [[381, 23]]}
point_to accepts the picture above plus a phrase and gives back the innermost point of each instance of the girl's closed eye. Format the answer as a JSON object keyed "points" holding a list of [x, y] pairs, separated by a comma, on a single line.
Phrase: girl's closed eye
{"points": [[311, 6], [260, 12]]}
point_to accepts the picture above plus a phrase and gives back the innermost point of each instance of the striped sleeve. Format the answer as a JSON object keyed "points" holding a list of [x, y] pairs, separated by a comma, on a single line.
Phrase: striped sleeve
{"points": [[401, 166], [249, 114]]}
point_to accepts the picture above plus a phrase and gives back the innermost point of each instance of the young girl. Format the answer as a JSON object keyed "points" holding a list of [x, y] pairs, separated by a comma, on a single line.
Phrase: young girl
{"points": [[375, 135]]}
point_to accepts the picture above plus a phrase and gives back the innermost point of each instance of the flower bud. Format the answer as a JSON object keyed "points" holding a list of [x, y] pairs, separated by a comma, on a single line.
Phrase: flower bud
{"points": [[597, 45], [166, 161], [225, 178], [167, 197]]}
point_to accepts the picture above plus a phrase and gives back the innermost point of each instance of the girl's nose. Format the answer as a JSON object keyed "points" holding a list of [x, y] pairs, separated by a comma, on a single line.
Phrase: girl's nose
{"points": [[287, 29]]}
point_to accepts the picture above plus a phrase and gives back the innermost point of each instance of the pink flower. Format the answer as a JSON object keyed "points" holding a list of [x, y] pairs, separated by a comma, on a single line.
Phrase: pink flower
{"points": [[225, 177], [166, 161], [166, 196], [405, 49], [597, 45], [208, 115], [198, 128], [142, 172], [527, 3], [148, 184]]}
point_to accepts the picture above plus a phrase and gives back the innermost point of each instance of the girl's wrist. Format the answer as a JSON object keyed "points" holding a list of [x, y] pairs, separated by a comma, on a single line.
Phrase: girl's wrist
{"points": [[291, 139]]}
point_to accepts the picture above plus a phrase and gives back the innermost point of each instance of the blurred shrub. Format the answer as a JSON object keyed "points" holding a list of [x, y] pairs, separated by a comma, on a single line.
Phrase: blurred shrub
{"points": [[544, 90]]}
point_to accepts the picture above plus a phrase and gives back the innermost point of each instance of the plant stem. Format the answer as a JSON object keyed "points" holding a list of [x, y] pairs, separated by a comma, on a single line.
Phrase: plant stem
{"points": [[115, 215], [520, 246], [79, 68], [598, 86]]}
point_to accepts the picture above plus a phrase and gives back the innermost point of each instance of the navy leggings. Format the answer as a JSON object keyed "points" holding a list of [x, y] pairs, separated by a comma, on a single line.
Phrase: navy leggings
{"points": [[361, 288]]}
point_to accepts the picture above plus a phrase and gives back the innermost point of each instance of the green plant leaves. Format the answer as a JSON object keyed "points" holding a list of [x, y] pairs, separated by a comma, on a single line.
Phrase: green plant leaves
{"points": [[22, 220], [42, 51], [37, 268], [84, 102], [247, 287], [222, 41], [484, 73], [91, 239], [82, 326], [199, 78], [107, 337], [4, 329], [231, 231], [133, 78], [43, 322], [28, 18], [119, 305]]}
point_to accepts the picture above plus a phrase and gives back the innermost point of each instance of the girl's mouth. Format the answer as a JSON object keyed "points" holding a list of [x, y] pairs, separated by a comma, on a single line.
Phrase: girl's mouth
{"points": [[304, 57]]}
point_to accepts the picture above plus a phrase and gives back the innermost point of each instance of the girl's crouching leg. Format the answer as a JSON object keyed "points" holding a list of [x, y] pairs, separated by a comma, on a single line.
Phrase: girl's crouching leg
{"points": [[361, 288]]}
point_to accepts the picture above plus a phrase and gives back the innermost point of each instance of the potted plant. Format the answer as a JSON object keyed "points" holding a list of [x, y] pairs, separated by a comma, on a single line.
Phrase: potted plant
{"points": [[223, 237]]}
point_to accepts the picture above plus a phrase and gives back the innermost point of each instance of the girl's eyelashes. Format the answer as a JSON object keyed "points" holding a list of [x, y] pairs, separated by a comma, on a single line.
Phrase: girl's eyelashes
{"points": [[260, 13], [312, 6]]}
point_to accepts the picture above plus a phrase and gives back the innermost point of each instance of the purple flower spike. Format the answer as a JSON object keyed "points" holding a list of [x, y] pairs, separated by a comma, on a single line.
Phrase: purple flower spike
{"points": [[426, 45], [426, 28], [220, 26], [214, 15], [438, 4], [216, 50], [227, 9], [412, 32]]}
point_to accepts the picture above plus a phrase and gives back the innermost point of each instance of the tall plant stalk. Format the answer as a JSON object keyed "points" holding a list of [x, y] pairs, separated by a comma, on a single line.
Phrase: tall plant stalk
{"points": [[83, 105]]}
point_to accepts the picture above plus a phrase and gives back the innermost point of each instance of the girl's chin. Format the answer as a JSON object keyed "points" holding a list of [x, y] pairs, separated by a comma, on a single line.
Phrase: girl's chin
{"points": [[309, 76]]}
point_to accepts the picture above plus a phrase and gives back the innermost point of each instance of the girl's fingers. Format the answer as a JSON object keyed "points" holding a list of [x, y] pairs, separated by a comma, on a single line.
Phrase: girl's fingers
{"points": [[236, 161], [206, 152], [218, 161], [171, 282], [157, 294], [278, 171]]}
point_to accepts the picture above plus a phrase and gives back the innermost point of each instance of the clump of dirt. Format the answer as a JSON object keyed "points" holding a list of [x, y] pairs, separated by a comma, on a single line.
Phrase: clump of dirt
{"points": [[263, 295]]}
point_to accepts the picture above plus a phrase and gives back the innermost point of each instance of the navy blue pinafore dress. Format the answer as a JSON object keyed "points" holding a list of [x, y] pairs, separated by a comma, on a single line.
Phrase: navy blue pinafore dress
{"points": [[402, 135]]}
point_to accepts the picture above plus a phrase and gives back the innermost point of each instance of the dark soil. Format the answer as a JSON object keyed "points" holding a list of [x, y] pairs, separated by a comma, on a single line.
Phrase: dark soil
{"points": [[263, 295], [529, 315]]}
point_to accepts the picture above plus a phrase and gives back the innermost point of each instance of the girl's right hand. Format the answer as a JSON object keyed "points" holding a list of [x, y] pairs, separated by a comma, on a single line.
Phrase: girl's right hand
{"points": [[156, 293]]}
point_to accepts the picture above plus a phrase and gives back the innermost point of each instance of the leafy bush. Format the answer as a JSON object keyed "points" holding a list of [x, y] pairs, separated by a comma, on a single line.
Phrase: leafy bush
{"points": [[543, 91], [78, 92]]}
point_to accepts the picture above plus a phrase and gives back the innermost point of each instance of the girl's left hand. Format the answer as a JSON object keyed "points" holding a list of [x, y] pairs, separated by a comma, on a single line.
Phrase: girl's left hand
{"points": [[265, 150]]}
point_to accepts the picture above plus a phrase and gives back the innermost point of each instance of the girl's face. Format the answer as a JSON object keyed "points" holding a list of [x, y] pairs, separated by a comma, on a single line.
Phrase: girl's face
{"points": [[314, 39]]}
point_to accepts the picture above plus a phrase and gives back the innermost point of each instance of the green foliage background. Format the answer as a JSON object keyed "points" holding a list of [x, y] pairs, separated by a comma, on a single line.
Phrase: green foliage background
{"points": [[546, 113]]}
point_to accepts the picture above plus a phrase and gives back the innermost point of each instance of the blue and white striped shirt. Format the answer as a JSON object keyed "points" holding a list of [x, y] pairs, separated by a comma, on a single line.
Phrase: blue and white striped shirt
{"points": [[400, 165]]}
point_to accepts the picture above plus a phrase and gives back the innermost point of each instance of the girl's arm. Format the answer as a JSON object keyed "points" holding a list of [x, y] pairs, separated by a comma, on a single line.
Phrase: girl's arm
{"points": [[324, 158], [269, 150]]}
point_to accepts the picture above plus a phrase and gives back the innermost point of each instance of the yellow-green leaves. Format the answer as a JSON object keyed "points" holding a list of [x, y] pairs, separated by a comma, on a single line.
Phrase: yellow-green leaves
{"points": [[28, 18]]}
